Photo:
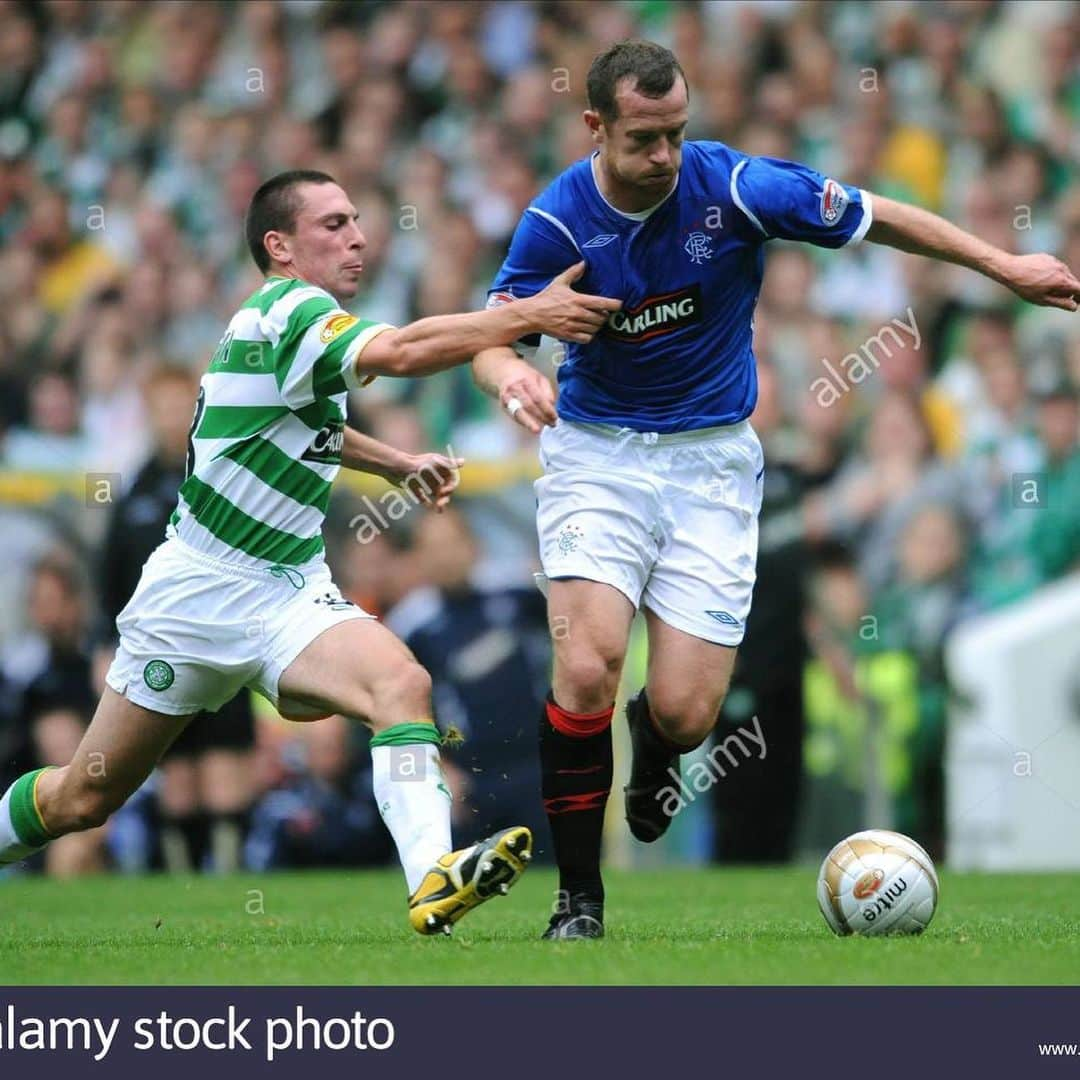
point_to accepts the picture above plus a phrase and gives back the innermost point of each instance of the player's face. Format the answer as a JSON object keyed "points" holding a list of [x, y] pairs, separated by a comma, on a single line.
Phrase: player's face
{"points": [[325, 246], [642, 147]]}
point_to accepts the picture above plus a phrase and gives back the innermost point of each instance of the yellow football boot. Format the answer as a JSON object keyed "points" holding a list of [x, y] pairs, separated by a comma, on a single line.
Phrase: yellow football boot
{"points": [[464, 879]]}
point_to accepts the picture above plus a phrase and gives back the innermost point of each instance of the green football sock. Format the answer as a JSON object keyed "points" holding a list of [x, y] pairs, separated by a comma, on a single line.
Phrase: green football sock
{"points": [[22, 832]]}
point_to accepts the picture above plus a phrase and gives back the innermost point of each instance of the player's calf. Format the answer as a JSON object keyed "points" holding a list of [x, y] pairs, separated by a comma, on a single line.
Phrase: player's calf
{"points": [[576, 770], [399, 695], [45, 804], [122, 744]]}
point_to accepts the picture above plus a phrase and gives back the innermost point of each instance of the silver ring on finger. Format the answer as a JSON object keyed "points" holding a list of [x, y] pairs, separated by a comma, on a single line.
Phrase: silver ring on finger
{"points": [[514, 405]]}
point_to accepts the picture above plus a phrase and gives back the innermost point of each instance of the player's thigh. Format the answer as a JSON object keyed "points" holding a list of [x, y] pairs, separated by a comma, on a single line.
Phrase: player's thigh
{"points": [[360, 669], [590, 626], [119, 749], [687, 680], [592, 509]]}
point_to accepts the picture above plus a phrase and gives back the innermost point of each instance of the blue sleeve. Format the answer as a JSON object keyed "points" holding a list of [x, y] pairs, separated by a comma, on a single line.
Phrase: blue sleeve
{"points": [[539, 251], [788, 201]]}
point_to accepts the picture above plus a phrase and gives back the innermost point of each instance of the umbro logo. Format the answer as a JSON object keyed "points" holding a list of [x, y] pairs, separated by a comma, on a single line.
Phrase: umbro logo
{"points": [[724, 617], [600, 241]]}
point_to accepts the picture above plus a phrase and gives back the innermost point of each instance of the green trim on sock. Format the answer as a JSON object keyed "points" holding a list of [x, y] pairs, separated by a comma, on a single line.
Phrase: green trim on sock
{"points": [[408, 735], [25, 819]]}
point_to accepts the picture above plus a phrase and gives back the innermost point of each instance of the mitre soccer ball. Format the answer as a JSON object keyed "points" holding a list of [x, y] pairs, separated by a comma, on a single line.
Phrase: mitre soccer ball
{"points": [[877, 882]]}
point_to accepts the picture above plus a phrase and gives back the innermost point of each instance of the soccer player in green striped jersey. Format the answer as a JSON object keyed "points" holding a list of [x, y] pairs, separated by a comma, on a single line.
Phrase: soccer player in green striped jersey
{"points": [[238, 594]]}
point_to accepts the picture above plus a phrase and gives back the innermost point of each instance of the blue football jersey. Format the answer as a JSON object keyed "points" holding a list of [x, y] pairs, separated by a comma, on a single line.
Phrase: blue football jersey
{"points": [[678, 355]]}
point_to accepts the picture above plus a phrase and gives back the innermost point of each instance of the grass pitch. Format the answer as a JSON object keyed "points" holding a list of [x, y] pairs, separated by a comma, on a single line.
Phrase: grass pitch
{"points": [[673, 927]]}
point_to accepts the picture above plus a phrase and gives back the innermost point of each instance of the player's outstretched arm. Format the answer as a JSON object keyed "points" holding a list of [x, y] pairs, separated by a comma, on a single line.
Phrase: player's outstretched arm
{"points": [[442, 341], [1039, 279], [432, 478]]}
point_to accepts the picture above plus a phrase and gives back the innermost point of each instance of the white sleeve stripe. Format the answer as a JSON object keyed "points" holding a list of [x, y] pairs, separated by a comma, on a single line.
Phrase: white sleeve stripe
{"points": [[557, 223], [867, 218], [354, 378], [737, 198]]}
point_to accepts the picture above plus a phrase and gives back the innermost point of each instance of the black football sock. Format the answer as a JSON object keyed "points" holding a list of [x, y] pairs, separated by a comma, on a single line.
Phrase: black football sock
{"points": [[183, 842], [227, 833], [576, 768]]}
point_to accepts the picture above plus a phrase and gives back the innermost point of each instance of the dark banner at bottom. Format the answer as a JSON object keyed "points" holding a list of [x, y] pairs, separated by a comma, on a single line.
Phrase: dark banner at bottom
{"points": [[527, 1032]]}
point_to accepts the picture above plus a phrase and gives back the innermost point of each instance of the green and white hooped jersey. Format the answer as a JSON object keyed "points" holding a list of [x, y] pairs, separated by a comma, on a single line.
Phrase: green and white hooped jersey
{"points": [[269, 426]]}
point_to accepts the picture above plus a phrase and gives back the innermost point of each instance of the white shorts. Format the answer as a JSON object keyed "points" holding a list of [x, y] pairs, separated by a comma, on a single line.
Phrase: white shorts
{"points": [[668, 520], [197, 630]]}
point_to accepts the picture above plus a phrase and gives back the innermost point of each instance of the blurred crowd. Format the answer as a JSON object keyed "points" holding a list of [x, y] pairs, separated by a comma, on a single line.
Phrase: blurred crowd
{"points": [[915, 477]]}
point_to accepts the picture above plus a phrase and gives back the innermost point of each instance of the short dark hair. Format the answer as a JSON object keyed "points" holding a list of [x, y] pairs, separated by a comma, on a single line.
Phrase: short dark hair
{"points": [[274, 208], [653, 68]]}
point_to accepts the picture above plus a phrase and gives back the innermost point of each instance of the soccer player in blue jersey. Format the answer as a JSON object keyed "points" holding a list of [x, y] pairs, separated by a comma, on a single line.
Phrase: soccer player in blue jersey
{"points": [[652, 473]]}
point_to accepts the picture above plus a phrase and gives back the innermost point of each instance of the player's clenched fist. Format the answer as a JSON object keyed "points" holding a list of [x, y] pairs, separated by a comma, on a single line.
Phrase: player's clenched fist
{"points": [[562, 313]]}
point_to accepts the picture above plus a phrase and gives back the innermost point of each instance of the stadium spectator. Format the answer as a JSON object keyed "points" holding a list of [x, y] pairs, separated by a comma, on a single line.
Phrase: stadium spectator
{"points": [[52, 695], [862, 712], [1056, 531], [756, 804], [487, 652], [322, 813]]}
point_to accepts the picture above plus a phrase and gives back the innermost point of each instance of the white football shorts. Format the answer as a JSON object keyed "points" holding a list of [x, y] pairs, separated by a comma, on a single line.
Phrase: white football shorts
{"points": [[197, 630], [668, 520]]}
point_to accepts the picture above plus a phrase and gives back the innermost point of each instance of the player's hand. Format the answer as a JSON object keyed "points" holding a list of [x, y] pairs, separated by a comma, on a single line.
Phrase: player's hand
{"points": [[562, 313], [1042, 279], [430, 478], [527, 395]]}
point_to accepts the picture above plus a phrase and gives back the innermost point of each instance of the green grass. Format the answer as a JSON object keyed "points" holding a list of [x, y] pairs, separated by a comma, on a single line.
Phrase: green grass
{"points": [[664, 927]]}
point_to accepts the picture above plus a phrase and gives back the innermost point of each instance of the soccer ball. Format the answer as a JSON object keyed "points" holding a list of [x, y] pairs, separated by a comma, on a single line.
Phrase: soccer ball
{"points": [[877, 882]]}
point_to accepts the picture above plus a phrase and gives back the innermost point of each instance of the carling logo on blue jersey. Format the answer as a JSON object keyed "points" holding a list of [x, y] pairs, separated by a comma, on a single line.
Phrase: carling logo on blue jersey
{"points": [[656, 315]]}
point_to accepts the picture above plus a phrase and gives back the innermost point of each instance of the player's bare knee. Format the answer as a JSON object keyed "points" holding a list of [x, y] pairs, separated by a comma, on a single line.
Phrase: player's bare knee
{"points": [[683, 717], [588, 678], [403, 690]]}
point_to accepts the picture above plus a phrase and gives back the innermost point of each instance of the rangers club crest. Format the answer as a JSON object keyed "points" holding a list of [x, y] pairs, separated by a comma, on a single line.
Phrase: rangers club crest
{"points": [[568, 538], [699, 247], [834, 200]]}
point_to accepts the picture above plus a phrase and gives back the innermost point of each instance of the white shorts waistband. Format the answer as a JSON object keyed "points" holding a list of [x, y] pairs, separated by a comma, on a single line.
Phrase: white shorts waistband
{"points": [[239, 570], [658, 438]]}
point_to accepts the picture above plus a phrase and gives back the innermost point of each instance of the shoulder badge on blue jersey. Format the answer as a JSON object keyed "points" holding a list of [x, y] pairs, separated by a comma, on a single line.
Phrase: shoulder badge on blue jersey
{"points": [[834, 200]]}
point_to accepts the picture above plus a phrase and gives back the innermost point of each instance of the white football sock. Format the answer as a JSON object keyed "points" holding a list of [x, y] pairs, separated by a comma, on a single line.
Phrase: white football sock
{"points": [[414, 801]]}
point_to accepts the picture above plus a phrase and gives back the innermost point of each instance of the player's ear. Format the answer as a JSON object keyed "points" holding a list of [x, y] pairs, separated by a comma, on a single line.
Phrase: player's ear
{"points": [[595, 125], [277, 245]]}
